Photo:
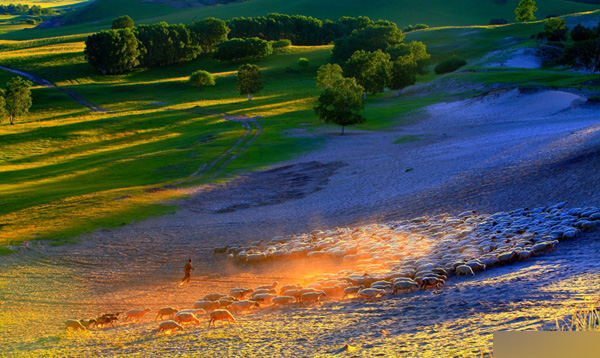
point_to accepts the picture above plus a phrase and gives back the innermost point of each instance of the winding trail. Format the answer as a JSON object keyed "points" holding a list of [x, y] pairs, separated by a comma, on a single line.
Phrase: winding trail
{"points": [[74, 96], [215, 167]]}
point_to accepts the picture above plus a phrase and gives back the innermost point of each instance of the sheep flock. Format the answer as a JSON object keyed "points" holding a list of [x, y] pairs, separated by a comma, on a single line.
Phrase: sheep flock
{"points": [[378, 261]]}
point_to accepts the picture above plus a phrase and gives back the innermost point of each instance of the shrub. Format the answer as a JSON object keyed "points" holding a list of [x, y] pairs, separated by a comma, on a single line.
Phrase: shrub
{"points": [[281, 43], [238, 50], [202, 79], [416, 27], [449, 65], [303, 63], [122, 22]]}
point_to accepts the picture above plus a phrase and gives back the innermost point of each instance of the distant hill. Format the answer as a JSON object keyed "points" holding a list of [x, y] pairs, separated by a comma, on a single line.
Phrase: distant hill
{"points": [[403, 12]]}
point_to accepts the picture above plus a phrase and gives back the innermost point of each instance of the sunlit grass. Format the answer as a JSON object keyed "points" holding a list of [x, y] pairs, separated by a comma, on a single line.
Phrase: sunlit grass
{"points": [[581, 320]]}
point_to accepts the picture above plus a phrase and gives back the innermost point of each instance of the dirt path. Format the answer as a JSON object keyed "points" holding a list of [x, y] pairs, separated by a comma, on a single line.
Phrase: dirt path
{"points": [[215, 167], [74, 96]]}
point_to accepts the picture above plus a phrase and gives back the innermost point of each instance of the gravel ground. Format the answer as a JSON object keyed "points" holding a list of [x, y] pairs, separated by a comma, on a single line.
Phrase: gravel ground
{"points": [[486, 154]]}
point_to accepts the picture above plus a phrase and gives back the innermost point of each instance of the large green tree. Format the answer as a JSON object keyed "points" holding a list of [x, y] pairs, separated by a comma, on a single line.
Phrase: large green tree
{"points": [[165, 44], [341, 103], [113, 51], [17, 98], [403, 74], [525, 10], [328, 74], [584, 56], [372, 70], [208, 33], [370, 39], [122, 22], [249, 80]]}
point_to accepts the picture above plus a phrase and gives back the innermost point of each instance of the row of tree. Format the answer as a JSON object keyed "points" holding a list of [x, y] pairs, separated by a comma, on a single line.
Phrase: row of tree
{"points": [[24, 9], [16, 100], [125, 47]]}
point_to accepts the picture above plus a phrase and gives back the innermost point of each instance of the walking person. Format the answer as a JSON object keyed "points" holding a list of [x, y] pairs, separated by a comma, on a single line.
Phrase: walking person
{"points": [[188, 272]]}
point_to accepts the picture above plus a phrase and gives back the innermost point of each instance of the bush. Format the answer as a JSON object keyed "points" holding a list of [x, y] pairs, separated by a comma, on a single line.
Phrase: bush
{"points": [[498, 21], [303, 63], [416, 27], [122, 22], [449, 65], [202, 79], [281, 43]]}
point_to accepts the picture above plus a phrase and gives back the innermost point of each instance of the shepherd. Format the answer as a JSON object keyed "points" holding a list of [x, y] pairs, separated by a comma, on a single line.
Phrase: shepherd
{"points": [[188, 272]]}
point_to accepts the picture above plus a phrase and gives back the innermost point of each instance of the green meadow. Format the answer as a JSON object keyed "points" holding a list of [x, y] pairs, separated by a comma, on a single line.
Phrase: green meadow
{"points": [[65, 170]]}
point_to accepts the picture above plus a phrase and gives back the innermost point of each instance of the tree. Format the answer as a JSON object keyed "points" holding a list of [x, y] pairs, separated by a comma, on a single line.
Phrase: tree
{"points": [[525, 10], [555, 29], [341, 103], [165, 44], [249, 80], [450, 65], [328, 74], [582, 33], [584, 55], [208, 33], [202, 79], [17, 98], [113, 51], [403, 74], [238, 50], [370, 39], [372, 70], [2, 105], [122, 22], [303, 63]]}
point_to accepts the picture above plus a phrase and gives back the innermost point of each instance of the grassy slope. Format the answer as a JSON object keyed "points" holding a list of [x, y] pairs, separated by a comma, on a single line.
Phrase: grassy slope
{"points": [[437, 12], [62, 167]]}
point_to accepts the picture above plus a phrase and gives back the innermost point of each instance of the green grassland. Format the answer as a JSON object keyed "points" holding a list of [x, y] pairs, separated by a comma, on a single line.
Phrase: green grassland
{"points": [[99, 14], [66, 170]]}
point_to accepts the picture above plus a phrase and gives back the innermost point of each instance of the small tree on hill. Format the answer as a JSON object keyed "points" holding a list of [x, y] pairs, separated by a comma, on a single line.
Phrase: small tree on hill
{"points": [[122, 22], [303, 63], [555, 29], [584, 55], [403, 74], [341, 103], [202, 79], [328, 74], [249, 80], [525, 10], [17, 98], [372, 70]]}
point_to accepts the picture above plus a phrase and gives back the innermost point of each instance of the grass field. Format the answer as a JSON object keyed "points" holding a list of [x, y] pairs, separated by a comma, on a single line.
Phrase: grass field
{"points": [[63, 166]]}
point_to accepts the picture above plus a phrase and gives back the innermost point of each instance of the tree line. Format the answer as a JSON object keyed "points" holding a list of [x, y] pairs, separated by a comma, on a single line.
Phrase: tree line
{"points": [[24, 9], [125, 46]]}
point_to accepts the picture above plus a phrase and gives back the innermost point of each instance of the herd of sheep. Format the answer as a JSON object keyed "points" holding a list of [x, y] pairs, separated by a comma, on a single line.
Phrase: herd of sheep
{"points": [[381, 259]]}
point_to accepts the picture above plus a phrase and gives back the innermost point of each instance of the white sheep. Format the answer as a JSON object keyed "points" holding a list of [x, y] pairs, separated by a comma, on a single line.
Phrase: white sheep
{"points": [[263, 290], [166, 311], [271, 286], [243, 305], [220, 315], [371, 293], [464, 270], [283, 300], [195, 311], [135, 313], [187, 317], [311, 297], [405, 286], [289, 287], [169, 326], [206, 305], [74, 324], [240, 293], [263, 298], [213, 296], [352, 291]]}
